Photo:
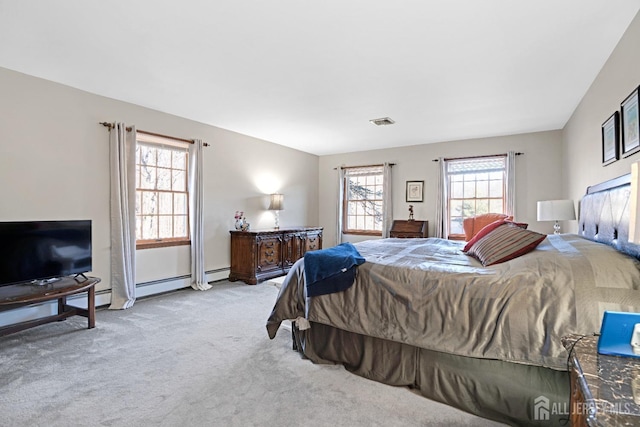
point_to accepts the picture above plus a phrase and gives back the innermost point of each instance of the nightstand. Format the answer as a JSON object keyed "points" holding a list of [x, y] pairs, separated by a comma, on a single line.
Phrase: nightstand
{"points": [[408, 229], [605, 390]]}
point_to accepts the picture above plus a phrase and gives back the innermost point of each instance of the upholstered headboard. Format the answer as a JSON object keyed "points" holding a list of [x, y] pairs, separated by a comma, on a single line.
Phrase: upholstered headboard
{"points": [[604, 214]]}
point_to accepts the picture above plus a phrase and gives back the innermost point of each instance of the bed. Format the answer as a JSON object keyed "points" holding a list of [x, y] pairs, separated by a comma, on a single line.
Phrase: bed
{"points": [[487, 340]]}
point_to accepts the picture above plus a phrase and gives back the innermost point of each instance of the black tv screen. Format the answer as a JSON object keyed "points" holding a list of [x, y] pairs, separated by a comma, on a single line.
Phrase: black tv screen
{"points": [[39, 250]]}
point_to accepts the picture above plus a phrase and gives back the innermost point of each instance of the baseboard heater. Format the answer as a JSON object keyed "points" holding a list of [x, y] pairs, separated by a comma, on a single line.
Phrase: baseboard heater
{"points": [[103, 297]]}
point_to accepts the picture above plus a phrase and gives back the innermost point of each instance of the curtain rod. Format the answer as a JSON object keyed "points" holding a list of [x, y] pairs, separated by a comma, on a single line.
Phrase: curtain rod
{"points": [[190, 141], [363, 166], [475, 157]]}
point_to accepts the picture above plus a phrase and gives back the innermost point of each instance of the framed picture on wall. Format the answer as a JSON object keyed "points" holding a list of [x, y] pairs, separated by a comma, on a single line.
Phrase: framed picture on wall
{"points": [[630, 126], [610, 139], [415, 191]]}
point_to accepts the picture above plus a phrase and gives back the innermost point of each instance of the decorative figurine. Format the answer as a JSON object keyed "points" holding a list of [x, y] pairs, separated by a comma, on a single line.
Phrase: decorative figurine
{"points": [[410, 212]]}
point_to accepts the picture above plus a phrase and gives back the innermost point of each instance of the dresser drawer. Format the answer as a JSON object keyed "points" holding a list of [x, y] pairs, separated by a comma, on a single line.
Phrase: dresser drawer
{"points": [[269, 253], [313, 242]]}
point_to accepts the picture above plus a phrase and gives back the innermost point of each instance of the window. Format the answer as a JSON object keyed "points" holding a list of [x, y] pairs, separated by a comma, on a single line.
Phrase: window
{"points": [[162, 199], [475, 186], [363, 191]]}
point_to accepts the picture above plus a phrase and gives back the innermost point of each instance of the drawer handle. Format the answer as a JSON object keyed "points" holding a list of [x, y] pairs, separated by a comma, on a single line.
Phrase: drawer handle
{"points": [[269, 253], [312, 246]]}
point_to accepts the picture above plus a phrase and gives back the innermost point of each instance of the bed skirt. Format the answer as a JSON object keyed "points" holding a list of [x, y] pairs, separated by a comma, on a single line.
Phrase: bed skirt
{"points": [[493, 389]]}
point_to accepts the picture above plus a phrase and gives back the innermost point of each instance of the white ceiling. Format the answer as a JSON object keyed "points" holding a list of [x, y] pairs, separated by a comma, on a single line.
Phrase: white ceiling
{"points": [[310, 75]]}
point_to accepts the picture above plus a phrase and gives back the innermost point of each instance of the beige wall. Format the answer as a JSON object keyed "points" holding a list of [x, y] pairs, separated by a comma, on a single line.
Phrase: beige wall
{"points": [[538, 175], [582, 143], [55, 165], [556, 164]]}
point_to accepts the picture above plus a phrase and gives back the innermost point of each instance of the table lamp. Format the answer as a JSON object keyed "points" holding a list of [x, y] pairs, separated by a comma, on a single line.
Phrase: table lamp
{"points": [[276, 205], [556, 210]]}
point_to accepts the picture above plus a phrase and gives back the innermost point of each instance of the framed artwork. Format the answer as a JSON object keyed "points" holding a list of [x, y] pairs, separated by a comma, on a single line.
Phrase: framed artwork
{"points": [[610, 139], [415, 191], [629, 124]]}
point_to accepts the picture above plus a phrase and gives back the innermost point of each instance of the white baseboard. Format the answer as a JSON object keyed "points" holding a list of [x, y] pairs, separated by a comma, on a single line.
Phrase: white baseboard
{"points": [[103, 298]]}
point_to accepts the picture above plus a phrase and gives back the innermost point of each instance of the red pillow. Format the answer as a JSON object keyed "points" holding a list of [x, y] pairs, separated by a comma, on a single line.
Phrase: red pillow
{"points": [[474, 224], [483, 232]]}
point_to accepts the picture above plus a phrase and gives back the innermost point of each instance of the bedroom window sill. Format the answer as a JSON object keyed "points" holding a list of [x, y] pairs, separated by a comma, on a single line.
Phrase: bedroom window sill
{"points": [[161, 244], [363, 233]]}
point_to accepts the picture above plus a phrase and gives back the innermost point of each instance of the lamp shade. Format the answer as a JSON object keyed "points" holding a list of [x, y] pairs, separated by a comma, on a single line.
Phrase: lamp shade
{"points": [[276, 203], [556, 210]]}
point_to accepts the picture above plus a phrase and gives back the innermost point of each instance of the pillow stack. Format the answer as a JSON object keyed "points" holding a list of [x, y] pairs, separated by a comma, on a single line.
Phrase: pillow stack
{"points": [[473, 225], [502, 241]]}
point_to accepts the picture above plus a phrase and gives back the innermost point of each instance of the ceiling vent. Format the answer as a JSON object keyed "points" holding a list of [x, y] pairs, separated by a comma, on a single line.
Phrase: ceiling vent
{"points": [[382, 122]]}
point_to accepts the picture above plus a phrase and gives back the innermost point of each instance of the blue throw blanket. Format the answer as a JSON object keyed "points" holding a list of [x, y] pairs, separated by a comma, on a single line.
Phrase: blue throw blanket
{"points": [[331, 270]]}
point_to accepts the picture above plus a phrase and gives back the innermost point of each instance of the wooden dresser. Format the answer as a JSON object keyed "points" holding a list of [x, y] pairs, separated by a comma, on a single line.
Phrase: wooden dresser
{"points": [[407, 229], [264, 254]]}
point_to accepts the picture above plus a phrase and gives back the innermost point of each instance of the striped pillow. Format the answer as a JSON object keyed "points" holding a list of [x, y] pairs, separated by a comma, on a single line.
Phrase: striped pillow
{"points": [[488, 229], [508, 241]]}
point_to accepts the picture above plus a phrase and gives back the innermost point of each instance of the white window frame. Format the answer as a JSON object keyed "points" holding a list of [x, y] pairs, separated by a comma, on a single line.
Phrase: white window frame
{"points": [[465, 178]]}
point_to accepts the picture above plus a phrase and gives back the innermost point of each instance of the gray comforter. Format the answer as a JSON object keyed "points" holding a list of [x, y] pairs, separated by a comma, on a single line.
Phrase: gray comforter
{"points": [[427, 293]]}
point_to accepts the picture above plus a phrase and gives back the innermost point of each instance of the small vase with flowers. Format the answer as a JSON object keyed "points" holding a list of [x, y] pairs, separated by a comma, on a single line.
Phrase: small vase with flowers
{"points": [[239, 220]]}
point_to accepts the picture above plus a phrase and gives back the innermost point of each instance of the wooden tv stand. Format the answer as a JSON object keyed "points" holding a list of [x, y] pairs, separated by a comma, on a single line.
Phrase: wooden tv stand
{"points": [[14, 296]]}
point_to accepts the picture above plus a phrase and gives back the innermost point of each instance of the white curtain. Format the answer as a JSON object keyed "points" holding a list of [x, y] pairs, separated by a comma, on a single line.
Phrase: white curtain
{"points": [[122, 152], [339, 207], [387, 200], [442, 228], [196, 221], [510, 208]]}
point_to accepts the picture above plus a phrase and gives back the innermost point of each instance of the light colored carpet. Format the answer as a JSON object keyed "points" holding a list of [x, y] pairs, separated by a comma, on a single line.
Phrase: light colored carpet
{"points": [[276, 281], [192, 358]]}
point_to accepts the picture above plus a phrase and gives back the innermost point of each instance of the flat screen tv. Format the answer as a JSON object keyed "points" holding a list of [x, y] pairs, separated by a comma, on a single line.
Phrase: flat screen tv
{"points": [[38, 251]]}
